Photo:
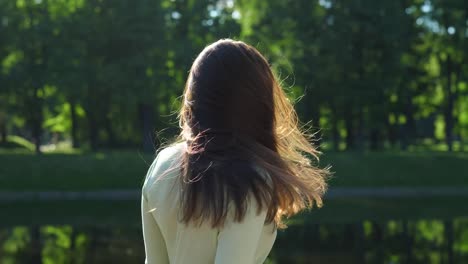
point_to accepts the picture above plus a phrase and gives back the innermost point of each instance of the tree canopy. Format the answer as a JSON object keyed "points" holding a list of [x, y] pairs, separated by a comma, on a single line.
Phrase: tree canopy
{"points": [[109, 73]]}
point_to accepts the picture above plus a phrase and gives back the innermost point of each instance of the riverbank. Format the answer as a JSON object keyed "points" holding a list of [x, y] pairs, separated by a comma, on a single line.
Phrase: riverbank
{"points": [[118, 170], [335, 193]]}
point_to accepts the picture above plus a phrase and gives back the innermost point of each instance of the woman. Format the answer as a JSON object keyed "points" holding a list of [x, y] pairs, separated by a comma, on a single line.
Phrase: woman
{"points": [[239, 166]]}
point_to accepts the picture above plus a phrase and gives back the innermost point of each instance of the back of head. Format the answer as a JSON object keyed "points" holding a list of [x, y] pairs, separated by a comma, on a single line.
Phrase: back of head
{"points": [[237, 123], [230, 89]]}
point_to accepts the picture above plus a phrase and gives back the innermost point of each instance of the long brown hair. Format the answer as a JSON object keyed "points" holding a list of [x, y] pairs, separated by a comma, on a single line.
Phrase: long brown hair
{"points": [[243, 139]]}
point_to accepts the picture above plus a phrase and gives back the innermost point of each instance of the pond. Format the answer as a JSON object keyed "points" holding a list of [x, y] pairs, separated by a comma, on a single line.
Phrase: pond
{"points": [[429, 230]]}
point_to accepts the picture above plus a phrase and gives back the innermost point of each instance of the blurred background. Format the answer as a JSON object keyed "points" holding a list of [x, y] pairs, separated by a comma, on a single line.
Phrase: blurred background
{"points": [[85, 85]]}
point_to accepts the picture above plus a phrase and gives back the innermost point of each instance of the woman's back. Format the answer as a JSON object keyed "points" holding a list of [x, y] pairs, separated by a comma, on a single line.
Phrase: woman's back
{"points": [[168, 240], [243, 166]]}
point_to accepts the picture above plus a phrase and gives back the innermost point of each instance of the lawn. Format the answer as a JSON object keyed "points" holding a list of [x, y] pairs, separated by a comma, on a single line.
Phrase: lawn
{"points": [[126, 169], [422, 169]]}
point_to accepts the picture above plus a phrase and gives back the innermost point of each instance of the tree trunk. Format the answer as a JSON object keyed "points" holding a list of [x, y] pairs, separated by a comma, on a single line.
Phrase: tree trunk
{"points": [[33, 104], [335, 130], [350, 140], [374, 139], [357, 101], [449, 104], [3, 132], [315, 115], [147, 128], [360, 129], [409, 127], [111, 141], [36, 121], [310, 113], [392, 133], [458, 71], [37, 137], [92, 130], [74, 125]]}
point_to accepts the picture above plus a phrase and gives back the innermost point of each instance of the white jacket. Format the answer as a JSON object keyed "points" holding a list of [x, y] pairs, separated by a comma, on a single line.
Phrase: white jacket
{"points": [[169, 241]]}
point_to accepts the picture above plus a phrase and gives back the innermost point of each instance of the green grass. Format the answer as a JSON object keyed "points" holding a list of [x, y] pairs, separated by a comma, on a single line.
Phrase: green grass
{"points": [[425, 169], [20, 170], [113, 170]]}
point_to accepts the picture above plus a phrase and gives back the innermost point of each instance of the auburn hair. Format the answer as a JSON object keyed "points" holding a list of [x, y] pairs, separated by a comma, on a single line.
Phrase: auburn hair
{"points": [[243, 139]]}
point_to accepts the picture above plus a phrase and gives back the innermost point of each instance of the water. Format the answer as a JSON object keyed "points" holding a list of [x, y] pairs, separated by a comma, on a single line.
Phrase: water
{"points": [[71, 244], [344, 231]]}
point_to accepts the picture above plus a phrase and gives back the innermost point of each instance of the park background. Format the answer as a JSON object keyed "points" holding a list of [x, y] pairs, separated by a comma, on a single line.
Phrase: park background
{"points": [[89, 89]]}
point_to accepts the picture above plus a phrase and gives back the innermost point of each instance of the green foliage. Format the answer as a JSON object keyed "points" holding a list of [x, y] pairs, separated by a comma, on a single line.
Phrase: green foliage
{"points": [[374, 74]]}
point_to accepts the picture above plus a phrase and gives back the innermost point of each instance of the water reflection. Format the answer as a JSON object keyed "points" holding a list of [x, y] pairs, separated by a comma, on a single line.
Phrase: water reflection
{"points": [[421, 241], [400, 241], [67, 244]]}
